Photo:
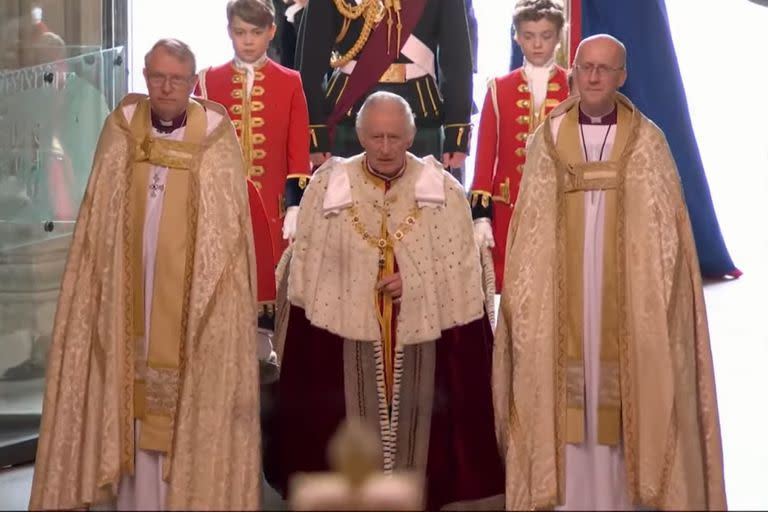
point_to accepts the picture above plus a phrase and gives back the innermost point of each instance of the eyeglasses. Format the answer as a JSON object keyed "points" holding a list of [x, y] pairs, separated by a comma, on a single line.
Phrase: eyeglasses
{"points": [[601, 69], [159, 79]]}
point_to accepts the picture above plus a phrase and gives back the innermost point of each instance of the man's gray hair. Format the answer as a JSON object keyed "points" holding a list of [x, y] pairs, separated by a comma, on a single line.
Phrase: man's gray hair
{"points": [[175, 47], [386, 97]]}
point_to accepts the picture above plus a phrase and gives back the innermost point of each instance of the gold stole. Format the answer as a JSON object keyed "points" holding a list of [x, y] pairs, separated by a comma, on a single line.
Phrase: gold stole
{"points": [[156, 383], [583, 176]]}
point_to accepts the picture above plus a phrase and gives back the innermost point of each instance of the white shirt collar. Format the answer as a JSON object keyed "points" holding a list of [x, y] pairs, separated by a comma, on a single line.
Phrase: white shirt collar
{"points": [[532, 69], [252, 66]]}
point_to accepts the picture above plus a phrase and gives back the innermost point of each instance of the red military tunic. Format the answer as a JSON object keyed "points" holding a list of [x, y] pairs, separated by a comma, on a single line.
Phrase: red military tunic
{"points": [[273, 132], [507, 119]]}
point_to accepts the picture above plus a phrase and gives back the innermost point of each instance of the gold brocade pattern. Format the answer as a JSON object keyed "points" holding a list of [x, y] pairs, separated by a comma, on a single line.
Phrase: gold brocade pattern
{"points": [[671, 435], [86, 433], [577, 177], [167, 153], [171, 285]]}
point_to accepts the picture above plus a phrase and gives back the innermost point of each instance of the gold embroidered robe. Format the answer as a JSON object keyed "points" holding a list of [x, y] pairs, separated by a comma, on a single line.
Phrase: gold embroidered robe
{"points": [[668, 410], [87, 431]]}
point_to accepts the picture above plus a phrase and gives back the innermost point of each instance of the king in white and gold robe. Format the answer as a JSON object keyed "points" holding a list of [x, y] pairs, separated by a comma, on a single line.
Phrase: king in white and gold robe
{"points": [[419, 372]]}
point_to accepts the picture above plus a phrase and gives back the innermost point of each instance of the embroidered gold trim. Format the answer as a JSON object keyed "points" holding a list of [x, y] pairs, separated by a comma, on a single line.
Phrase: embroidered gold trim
{"points": [[431, 98], [421, 99], [332, 84]]}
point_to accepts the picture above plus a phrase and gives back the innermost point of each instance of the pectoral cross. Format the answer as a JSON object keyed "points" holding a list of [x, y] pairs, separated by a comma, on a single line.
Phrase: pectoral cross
{"points": [[155, 186]]}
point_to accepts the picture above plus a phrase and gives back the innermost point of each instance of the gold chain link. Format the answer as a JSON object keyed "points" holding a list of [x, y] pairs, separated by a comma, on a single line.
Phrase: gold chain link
{"points": [[382, 243]]}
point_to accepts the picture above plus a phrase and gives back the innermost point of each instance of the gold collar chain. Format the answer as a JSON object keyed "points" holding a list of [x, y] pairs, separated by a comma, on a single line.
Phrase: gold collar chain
{"points": [[382, 243]]}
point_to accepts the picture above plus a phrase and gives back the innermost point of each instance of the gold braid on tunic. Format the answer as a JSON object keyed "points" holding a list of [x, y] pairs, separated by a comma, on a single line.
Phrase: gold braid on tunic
{"points": [[372, 12]]}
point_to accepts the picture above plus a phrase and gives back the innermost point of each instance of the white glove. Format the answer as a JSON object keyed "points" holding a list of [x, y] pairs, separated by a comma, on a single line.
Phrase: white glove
{"points": [[484, 233], [289, 222]]}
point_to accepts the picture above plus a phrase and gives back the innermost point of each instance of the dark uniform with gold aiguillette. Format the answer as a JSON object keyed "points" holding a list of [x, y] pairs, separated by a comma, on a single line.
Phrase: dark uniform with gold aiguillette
{"points": [[418, 49]]}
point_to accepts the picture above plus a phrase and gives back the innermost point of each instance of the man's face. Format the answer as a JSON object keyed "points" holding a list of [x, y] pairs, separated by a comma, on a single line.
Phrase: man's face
{"points": [[598, 72], [538, 40], [249, 41], [385, 135], [170, 81]]}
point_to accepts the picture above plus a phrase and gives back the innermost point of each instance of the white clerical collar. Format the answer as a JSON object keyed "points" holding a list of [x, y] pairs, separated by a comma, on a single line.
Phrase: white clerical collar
{"points": [[253, 66], [604, 120]]}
